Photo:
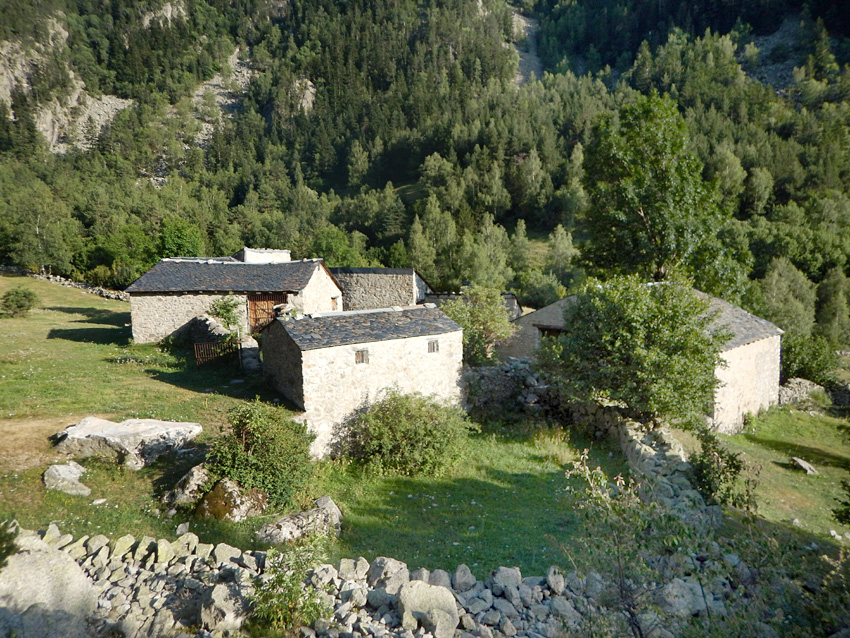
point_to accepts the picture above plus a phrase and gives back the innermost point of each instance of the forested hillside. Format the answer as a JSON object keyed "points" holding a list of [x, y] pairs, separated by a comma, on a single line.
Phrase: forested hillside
{"points": [[393, 132]]}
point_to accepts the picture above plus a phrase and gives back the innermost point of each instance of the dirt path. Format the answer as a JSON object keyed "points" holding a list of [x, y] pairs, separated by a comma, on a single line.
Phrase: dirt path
{"points": [[525, 43]]}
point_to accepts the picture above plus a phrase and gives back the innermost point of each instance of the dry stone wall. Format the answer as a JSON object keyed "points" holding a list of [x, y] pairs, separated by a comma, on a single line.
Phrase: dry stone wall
{"points": [[106, 293], [365, 291], [156, 317]]}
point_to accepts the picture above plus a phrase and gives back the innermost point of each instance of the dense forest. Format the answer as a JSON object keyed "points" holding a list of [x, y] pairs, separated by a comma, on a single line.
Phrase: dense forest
{"points": [[394, 132]]}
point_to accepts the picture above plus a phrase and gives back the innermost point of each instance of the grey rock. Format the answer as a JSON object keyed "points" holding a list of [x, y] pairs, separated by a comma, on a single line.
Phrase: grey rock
{"points": [[804, 465], [388, 573], [189, 488], [505, 576], [379, 597], [66, 478], [325, 518], [421, 574], [439, 623], [566, 611], [416, 599], [223, 608], [505, 607], [121, 545], [463, 579], [224, 553], [227, 501], [134, 442], [440, 578]]}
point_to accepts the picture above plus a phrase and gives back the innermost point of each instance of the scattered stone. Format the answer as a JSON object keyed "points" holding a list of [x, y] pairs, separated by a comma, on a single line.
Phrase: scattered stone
{"points": [[804, 465], [134, 442], [189, 488], [325, 518], [66, 478]]}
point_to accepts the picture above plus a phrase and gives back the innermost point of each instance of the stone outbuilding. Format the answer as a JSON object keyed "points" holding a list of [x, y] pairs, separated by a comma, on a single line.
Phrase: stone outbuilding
{"points": [[749, 382], [168, 297], [371, 288], [331, 365]]}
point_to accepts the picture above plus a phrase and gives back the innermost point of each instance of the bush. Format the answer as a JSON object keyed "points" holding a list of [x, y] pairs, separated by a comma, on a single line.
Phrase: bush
{"points": [[224, 309], [480, 311], [18, 301], [408, 434], [264, 451], [808, 357], [282, 600], [716, 470]]}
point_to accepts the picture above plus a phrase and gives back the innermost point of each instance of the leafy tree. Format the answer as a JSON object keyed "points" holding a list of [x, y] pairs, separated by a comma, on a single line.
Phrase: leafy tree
{"points": [[652, 210], [650, 348], [420, 251], [536, 289], [484, 255], [180, 238], [787, 298], [832, 316], [560, 255], [480, 311]]}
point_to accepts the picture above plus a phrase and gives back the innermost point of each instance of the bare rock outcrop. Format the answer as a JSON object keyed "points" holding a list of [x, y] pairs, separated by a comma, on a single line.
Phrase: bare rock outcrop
{"points": [[134, 442]]}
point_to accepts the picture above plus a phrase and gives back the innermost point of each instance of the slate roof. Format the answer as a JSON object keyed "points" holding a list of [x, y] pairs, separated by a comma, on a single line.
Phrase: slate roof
{"points": [[370, 271], [364, 327], [745, 327], [218, 276]]}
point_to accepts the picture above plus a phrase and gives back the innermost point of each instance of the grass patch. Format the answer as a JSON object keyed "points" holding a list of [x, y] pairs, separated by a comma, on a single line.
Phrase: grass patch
{"points": [[785, 492], [506, 505]]}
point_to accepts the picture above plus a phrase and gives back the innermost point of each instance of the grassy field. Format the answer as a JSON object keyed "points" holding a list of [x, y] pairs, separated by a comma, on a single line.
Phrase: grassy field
{"points": [[72, 356]]}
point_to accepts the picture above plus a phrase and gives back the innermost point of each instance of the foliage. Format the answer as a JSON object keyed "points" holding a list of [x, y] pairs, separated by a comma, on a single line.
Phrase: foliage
{"points": [[225, 309], [810, 358], [284, 599], [264, 451], [833, 316], [842, 513], [715, 472], [480, 311], [408, 434], [8, 532], [18, 301], [651, 348]]}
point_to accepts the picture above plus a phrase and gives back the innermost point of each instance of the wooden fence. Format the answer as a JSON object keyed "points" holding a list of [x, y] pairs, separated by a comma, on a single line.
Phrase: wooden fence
{"points": [[218, 352]]}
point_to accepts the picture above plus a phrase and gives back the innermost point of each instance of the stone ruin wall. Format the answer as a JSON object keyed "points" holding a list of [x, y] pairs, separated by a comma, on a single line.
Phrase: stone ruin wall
{"points": [[366, 291], [335, 386], [749, 383], [156, 317]]}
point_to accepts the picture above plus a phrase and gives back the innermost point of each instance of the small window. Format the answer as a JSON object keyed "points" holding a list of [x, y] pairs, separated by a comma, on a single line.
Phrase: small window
{"points": [[433, 346], [361, 356]]}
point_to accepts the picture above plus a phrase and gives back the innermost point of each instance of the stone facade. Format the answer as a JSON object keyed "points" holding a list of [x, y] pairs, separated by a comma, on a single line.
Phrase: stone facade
{"points": [[748, 384], [158, 316], [523, 343], [331, 383], [321, 294], [369, 288]]}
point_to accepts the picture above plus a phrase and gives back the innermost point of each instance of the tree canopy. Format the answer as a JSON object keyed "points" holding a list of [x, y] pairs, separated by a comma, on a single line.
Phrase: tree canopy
{"points": [[650, 348]]}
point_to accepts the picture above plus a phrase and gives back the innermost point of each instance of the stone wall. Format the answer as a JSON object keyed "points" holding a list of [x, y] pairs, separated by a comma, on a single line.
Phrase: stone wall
{"points": [[748, 384], [284, 370], [320, 294], [366, 291], [118, 295], [335, 386], [156, 317]]}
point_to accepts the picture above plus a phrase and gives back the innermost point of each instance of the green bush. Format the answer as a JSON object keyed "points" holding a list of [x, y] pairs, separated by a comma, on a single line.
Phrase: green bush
{"points": [[408, 434], [283, 601], [715, 472], [224, 308], [18, 301], [264, 451], [809, 357]]}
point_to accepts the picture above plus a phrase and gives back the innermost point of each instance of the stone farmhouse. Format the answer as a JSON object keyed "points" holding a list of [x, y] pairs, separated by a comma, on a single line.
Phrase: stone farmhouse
{"points": [[369, 288], [331, 365], [165, 300], [749, 382]]}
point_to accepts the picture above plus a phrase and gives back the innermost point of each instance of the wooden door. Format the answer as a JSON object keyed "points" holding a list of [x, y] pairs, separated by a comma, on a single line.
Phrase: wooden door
{"points": [[261, 309]]}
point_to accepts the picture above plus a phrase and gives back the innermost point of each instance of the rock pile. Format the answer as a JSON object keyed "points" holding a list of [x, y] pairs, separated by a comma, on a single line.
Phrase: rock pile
{"points": [[147, 587], [797, 390]]}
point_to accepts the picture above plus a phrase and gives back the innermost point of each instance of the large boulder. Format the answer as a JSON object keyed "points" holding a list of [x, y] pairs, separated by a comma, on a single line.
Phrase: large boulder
{"points": [[226, 501], [224, 608], [189, 488], [44, 592], [134, 442], [66, 478], [325, 518], [434, 607]]}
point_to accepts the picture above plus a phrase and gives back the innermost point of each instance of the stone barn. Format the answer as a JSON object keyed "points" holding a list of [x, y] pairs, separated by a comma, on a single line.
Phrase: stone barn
{"points": [[370, 288], [749, 382], [164, 300], [331, 365]]}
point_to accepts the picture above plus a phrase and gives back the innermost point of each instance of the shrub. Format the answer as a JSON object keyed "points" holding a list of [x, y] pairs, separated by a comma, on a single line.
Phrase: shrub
{"points": [[224, 308], [809, 357], [18, 301], [480, 311], [282, 600], [716, 470], [408, 434], [264, 451]]}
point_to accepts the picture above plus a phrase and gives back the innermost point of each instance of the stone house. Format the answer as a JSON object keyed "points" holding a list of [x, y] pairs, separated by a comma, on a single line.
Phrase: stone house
{"points": [[331, 365], [749, 382], [165, 300], [369, 288]]}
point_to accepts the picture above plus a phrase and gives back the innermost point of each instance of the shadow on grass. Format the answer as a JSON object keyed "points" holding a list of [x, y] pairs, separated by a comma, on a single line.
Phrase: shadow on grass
{"points": [[95, 315], [103, 336], [225, 381], [813, 455]]}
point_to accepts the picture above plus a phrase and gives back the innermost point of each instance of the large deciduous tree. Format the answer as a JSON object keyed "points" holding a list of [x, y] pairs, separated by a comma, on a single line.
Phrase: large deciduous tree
{"points": [[651, 348], [651, 210]]}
